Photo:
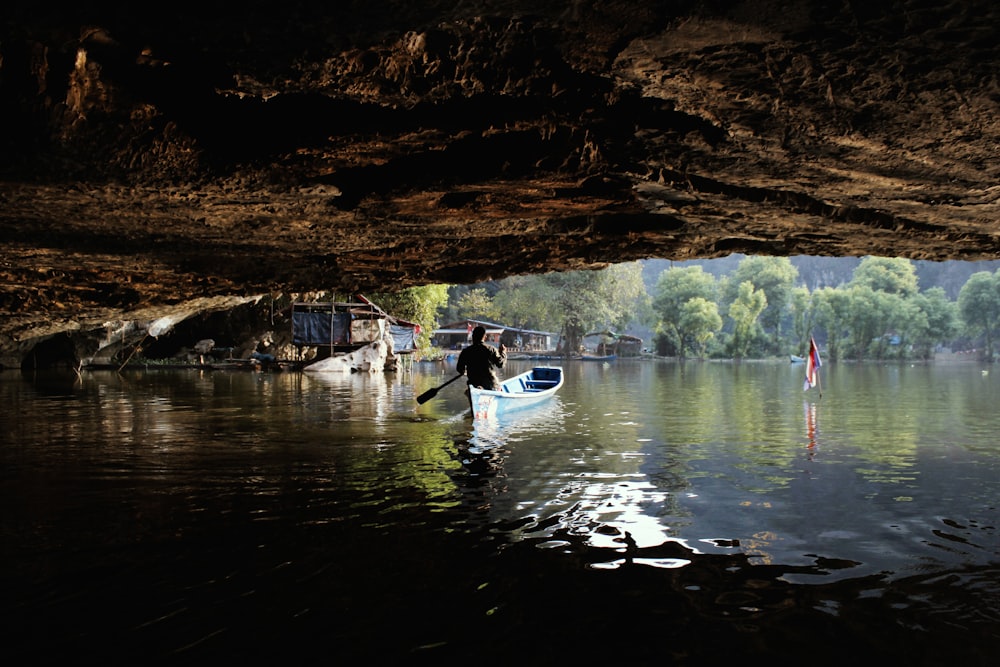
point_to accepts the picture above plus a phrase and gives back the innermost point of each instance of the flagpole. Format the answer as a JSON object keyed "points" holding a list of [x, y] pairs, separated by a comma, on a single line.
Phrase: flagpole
{"points": [[812, 365], [819, 382]]}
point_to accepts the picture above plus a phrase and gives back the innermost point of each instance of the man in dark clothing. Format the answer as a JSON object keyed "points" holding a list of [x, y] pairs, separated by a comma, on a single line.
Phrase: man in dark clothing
{"points": [[479, 359]]}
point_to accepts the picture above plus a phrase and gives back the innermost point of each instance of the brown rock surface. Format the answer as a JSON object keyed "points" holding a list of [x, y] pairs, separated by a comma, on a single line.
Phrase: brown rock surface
{"points": [[200, 153]]}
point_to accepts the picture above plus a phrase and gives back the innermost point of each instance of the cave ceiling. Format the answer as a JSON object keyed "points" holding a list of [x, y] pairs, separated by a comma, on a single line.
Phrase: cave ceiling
{"points": [[159, 156]]}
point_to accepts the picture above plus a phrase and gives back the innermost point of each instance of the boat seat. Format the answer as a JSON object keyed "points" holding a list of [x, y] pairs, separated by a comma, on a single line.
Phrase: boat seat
{"points": [[539, 385]]}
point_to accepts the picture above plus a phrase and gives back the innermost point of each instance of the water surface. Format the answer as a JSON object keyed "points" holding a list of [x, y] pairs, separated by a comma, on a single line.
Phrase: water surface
{"points": [[653, 512]]}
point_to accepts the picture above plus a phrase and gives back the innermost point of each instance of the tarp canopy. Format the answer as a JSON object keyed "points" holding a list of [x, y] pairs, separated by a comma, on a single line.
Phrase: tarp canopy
{"points": [[321, 328], [404, 338], [349, 324]]}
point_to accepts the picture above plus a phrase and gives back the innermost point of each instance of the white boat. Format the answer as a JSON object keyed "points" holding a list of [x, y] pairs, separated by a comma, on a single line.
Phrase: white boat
{"points": [[520, 391]]}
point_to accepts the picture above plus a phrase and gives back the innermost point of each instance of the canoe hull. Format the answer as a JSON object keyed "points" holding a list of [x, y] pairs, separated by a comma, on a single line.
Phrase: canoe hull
{"points": [[521, 391]]}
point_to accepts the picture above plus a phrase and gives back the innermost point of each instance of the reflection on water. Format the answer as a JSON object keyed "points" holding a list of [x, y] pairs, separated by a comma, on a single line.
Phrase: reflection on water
{"points": [[651, 511]]}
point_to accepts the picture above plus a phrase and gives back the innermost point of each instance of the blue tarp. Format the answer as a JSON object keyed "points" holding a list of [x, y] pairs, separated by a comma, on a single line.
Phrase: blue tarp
{"points": [[404, 339], [314, 328]]}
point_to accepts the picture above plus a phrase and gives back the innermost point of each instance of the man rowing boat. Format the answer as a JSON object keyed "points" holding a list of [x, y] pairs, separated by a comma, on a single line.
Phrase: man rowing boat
{"points": [[479, 359]]}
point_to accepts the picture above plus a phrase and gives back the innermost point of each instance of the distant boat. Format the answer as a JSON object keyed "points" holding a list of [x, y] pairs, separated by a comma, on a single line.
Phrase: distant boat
{"points": [[521, 391], [797, 360]]}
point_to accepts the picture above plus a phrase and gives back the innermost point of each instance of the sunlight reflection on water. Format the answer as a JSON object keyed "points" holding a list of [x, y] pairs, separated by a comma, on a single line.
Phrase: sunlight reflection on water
{"points": [[784, 483]]}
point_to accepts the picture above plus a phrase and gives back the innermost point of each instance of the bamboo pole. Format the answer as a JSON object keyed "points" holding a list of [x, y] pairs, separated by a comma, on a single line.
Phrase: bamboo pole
{"points": [[132, 353]]}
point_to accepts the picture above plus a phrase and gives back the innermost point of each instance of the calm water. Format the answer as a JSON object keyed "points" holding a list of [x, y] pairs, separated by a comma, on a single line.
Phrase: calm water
{"points": [[653, 513]]}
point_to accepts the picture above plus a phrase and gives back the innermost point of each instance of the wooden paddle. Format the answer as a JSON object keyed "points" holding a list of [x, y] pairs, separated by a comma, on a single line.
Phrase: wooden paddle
{"points": [[431, 393]]}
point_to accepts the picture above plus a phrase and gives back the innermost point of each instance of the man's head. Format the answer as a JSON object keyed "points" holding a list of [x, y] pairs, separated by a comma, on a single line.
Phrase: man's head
{"points": [[478, 334]]}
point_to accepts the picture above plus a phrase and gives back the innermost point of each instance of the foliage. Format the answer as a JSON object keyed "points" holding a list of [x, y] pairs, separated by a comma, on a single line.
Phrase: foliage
{"points": [[699, 321], [979, 305], [892, 275], [938, 321], [523, 302], [803, 311], [761, 307], [775, 277], [416, 304], [450, 312], [476, 304], [674, 288], [575, 302], [745, 311], [833, 308]]}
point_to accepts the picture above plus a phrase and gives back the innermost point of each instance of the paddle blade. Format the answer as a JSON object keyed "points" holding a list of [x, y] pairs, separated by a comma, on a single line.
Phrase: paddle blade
{"points": [[431, 393], [427, 395]]}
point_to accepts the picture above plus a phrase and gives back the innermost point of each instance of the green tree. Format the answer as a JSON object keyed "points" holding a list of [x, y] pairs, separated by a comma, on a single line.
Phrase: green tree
{"points": [[524, 302], [416, 304], [574, 302], [898, 314], [910, 321], [674, 288], [833, 313], [628, 299], [477, 304], [872, 316], [699, 321], [744, 312], [775, 277], [893, 275], [979, 306], [803, 310], [938, 325]]}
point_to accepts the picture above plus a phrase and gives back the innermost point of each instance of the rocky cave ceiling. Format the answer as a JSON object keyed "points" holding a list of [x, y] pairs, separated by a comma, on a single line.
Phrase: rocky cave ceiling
{"points": [[162, 157]]}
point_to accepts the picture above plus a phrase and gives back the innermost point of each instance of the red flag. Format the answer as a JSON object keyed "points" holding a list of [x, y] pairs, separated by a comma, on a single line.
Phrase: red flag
{"points": [[812, 365]]}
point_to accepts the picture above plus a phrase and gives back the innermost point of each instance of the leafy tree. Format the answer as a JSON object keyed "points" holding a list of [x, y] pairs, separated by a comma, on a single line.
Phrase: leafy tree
{"points": [[698, 323], [979, 305], [457, 293], [833, 313], [893, 275], [863, 320], [628, 299], [477, 304], [897, 314], [873, 314], [744, 312], [910, 322], [860, 318], [416, 304], [775, 277], [674, 288], [524, 302], [939, 323], [575, 302], [803, 311]]}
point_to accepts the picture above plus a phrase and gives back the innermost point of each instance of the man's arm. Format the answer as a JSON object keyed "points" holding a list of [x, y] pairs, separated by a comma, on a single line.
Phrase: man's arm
{"points": [[501, 356]]}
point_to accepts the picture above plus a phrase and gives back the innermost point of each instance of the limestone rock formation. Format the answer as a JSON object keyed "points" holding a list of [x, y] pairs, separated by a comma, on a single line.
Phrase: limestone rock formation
{"points": [[371, 358], [204, 151]]}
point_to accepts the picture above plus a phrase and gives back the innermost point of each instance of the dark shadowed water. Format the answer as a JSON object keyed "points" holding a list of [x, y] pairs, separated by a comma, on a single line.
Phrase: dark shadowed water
{"points": [[652, 513]]}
